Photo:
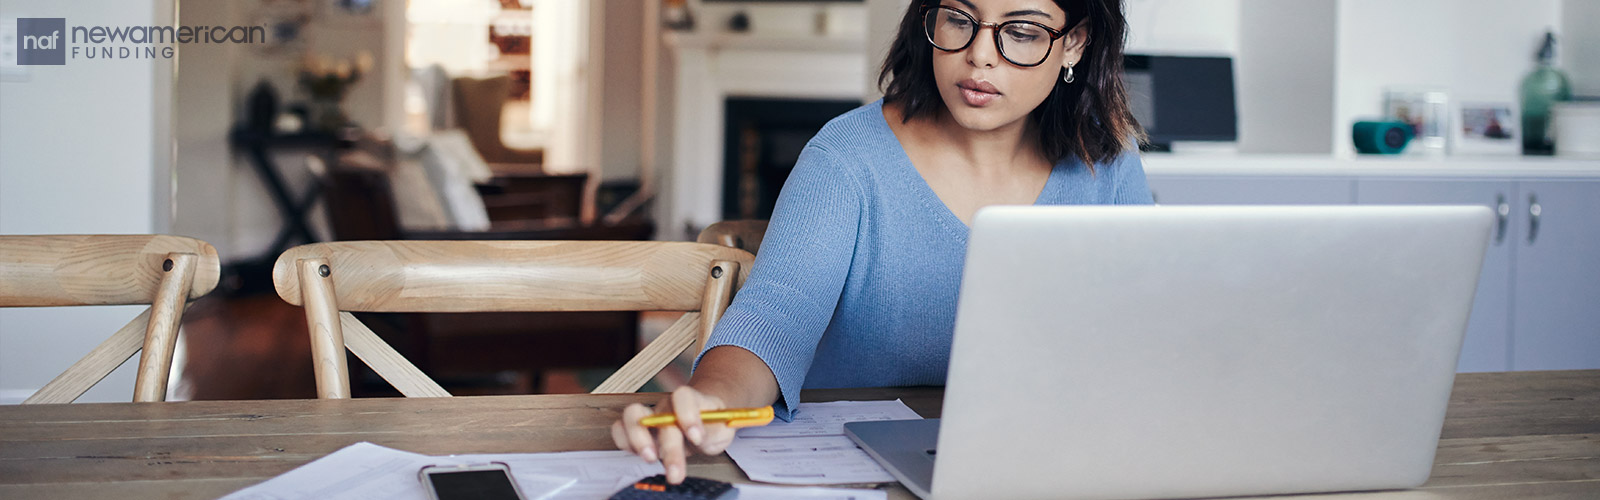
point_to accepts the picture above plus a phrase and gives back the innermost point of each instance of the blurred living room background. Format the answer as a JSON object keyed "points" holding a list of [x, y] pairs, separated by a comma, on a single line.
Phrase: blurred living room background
{"points": [[653, 119]]}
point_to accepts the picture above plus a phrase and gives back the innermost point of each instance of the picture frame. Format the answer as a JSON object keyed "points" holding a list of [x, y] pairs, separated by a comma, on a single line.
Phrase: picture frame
{"points": [[1427, 110], [1487, 126], [287, 23], [351, 14]]}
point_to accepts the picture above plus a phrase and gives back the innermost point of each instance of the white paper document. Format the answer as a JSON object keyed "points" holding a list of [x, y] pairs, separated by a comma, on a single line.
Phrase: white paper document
{"points": [[813, 448], [828, 419], [806, 460], [762, 492], [361, 470], [366, 470]]}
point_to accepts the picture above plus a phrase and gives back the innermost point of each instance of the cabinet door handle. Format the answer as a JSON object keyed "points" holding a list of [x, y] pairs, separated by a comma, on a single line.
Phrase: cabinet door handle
{"points": [[1502, 218], [1534, 211]]}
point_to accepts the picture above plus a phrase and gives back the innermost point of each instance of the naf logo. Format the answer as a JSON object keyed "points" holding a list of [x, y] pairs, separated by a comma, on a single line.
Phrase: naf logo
{"points": [[41, 41]]}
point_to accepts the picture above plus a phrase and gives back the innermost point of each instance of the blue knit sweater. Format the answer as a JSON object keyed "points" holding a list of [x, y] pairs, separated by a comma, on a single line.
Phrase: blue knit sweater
{"points": [[855, 284]]}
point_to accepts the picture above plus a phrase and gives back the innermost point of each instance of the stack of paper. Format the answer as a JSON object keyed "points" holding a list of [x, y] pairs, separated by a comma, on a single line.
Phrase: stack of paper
{"points": [[365, 470], [813, 449]]}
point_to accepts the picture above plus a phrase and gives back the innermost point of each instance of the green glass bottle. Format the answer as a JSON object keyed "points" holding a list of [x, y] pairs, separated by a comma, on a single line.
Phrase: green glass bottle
{"points": [[1544, 86]]}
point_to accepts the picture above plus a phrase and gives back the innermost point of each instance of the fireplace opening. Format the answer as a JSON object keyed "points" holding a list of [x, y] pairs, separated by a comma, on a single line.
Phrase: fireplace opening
{"points": [[762, 141]]}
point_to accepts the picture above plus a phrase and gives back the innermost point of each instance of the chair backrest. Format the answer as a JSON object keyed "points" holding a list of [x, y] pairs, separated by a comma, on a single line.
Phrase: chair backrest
{"points": [[333, 279], [743, 234], [85, 270]]}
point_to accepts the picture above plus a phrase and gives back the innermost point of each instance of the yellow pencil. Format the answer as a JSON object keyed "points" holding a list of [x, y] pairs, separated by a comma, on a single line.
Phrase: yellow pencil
{"points": [[735, 417]]}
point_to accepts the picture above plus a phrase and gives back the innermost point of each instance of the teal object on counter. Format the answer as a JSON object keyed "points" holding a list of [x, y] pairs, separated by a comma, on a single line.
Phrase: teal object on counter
{"points": [[1381, 138], [1541, 88]]}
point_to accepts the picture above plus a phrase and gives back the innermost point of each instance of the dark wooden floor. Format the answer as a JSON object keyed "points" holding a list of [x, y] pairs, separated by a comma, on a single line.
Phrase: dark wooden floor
{"points": [[252, 347], [256, 347]]}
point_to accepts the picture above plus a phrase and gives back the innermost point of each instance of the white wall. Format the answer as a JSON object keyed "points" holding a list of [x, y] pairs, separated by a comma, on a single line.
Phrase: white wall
{"points": [[446, 32], [569, 64], [1285, 76], [883, 18], [206, 172], [623, 31], [1476, 49], [1178, 27], [1580, 45], [79, 145], [656, 114]]}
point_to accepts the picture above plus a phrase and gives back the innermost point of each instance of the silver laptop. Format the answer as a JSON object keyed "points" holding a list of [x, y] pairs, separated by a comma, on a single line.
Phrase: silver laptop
{"points": [[1160, 352]]}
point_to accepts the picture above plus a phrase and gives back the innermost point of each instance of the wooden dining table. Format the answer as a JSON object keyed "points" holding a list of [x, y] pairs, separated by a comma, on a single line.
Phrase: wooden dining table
{"points": [[1506, 435]]}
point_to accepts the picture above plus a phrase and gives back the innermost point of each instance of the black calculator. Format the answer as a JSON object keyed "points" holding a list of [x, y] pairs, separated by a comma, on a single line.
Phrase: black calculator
{"points": [[693, 488]]}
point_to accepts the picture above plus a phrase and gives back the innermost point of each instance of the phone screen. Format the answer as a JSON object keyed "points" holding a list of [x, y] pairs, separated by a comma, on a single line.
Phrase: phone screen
{"points": [[479, 484]]}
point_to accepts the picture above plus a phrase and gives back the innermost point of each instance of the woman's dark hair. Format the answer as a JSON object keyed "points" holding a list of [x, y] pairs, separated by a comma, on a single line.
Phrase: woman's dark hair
{"points": [[1088, 118]]}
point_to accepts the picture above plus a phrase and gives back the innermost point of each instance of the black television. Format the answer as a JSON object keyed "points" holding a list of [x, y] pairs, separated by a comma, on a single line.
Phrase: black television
{"points": [[1182, 98]]}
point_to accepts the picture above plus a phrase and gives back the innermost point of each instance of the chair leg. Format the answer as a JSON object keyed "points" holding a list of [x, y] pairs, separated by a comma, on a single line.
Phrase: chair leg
{"points": [[327, 338], [718, 293], [161, 336]]}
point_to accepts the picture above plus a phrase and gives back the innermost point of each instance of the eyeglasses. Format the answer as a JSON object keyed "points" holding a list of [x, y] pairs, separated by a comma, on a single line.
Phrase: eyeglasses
{"points": [[1023, 43]]}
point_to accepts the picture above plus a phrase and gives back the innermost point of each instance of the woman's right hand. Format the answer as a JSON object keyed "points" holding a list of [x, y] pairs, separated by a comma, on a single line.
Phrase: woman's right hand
{"points": [[667, 443]]}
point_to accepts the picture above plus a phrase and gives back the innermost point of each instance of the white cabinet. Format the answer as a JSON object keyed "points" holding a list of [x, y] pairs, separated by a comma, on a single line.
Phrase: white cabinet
{"points": [[1488, 344], [1251, 190], [1556, 292], [1538, 300]]}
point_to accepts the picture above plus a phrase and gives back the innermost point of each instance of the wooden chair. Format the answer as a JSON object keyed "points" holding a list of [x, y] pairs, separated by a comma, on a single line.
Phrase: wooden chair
{"points": [[331, 280], [362, 205], [80, 270], [741, 234]]}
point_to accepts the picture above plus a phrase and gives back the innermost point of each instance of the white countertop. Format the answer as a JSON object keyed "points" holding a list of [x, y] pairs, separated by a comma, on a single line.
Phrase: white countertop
{"points": [[1202, 164]]}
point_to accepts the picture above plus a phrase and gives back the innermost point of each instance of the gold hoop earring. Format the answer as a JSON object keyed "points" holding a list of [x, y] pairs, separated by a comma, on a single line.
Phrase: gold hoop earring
{"points": [[1069, 77]]}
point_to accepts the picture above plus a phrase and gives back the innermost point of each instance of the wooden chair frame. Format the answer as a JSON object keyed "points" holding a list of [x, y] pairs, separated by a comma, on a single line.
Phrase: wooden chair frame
{"points": [[89, 270], [331, 280]]}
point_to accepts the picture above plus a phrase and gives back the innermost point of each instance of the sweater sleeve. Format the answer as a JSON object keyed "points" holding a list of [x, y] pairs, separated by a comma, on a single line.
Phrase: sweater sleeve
{"points": [[789, 299], [1132, 188]]}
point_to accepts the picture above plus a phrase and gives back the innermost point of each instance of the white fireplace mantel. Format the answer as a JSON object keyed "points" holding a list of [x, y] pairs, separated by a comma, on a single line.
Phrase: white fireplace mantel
{"points": [[709, 68]]}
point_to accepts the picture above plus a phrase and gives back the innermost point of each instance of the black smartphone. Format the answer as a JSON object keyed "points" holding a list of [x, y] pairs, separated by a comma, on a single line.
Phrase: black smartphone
{"points": [[490, 481]]}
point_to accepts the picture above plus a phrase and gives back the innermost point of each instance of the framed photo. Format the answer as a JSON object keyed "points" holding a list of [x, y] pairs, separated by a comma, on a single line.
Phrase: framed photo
{"points": [[1427, 111], [286, 22], [1487, 127], [351, 14]]}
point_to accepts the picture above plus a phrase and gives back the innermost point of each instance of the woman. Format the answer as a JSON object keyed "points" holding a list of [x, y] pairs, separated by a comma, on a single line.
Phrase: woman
{"points": [[988, 102]]}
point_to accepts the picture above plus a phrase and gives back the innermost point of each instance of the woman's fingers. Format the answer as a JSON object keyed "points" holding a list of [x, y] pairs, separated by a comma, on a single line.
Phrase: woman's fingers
{"points": [[673, 456], [638, 437], [667, 443], [718, 437], [620, 436], [686, 406]]}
